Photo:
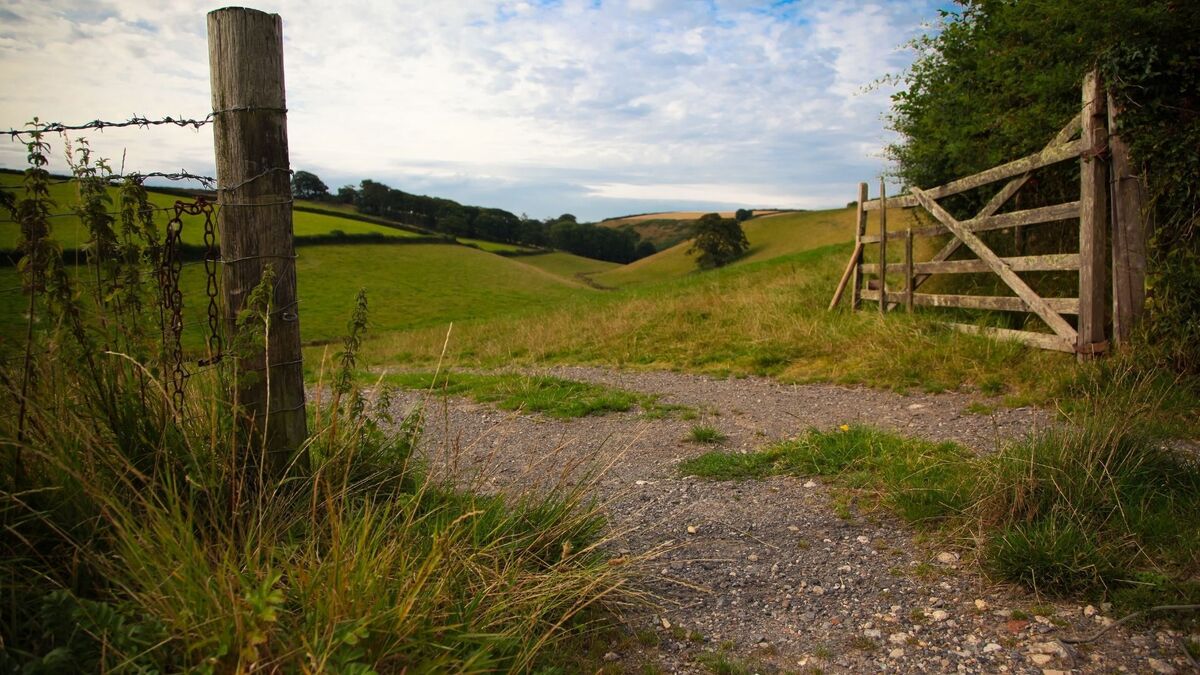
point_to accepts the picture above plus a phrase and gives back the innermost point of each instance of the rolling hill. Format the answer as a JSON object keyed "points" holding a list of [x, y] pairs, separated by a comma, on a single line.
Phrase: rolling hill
{"points": [[408, 285], [770, 236]]}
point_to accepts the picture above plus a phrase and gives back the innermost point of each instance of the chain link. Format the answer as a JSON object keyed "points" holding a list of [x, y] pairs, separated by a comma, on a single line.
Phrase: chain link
{"points": [[172, 296], [211, 257], [172, 300]]}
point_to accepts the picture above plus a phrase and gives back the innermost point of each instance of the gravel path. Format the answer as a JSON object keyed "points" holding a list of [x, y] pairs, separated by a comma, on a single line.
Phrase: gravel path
{"points": [[778, 574]]}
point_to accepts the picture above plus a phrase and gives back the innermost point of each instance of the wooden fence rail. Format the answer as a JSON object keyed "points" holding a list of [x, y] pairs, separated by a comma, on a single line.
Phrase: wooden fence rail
{"points": [[1096, 150]]}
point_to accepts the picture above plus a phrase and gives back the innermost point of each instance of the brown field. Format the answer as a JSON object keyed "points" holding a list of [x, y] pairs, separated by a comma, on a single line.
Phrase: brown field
{"points": [[675, 215]]}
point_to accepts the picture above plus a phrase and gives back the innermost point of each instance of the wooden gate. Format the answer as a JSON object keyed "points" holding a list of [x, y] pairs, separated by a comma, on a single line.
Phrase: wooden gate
{"points": [[1087, 337]]}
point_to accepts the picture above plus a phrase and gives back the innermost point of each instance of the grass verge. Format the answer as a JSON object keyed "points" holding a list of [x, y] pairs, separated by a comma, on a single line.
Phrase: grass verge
{"points": [[770, 318], [1092, 508], [552, 396]]}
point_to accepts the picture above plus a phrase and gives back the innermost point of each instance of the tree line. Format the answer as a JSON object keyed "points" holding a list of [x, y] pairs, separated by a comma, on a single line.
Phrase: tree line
{"points": [[447, 216]]}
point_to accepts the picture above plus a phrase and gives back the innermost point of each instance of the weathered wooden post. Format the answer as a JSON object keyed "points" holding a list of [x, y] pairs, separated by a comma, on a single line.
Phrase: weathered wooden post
{"points": [[860, 228], [245, 52], [908, 271], [883, 235], [1093, 219], [1128, 234]]}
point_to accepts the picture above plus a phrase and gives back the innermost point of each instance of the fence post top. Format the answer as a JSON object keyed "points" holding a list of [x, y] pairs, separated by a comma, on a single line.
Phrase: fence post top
{"points": [[247, 10]]}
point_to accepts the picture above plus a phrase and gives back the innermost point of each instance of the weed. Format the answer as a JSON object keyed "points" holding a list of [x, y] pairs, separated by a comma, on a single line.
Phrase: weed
{"points": [[648, 638], [720, 663], [1019, 615], [925, 571], [979, 408], [702, 433], [863, 643]]}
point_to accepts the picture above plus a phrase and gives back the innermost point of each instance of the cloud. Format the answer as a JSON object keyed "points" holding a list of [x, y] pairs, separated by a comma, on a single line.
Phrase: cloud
{"points": [[599, 104]]}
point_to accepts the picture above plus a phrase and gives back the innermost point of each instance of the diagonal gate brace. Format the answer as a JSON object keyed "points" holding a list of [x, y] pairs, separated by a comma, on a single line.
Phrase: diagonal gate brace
{"points": [[1009, 277]]}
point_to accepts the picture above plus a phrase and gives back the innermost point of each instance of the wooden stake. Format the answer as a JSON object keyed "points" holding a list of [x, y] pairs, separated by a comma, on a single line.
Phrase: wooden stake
{"points": [[851, 267], [882, 247], [245, 51], [908, 271], [860, 228], [1128, 235], [1093, 217]]}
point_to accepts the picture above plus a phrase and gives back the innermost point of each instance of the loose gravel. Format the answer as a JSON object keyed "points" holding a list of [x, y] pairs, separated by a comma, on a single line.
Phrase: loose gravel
{"points": [[782, 574]]}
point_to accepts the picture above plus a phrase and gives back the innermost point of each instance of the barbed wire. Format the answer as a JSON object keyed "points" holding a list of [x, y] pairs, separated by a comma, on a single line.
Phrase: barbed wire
{"points": [[140, 121], [208, 182], [100, 125]]}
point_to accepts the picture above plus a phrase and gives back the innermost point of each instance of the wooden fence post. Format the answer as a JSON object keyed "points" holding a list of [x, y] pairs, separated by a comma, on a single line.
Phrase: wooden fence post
{"points": [[1128, 235], [860, 228], [908, 271], [883, 303], [1093, 218], [245, 52]]}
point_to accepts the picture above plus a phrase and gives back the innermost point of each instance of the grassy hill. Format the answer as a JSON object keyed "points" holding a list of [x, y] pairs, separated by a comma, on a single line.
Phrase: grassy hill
{"points": [[409, 286], [666, 229], [66, 228], [567, 265], [770, 236]]}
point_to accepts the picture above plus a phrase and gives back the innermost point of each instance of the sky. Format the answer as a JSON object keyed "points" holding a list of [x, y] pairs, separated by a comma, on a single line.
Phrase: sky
{"points": [[598, 108]]}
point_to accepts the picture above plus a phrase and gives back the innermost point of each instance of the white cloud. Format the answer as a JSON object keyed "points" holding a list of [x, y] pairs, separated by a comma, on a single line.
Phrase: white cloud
{"points": [[473, 99]]}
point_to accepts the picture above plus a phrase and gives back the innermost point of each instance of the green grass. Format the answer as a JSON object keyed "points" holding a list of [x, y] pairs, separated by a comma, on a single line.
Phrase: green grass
{"points": [[550, 396], [566, 264], [703, 433], [71, 234], [495, 246], [923, 480], [144, 537], [769, 236], [1095, 507], [408, 287], [770, 318]]}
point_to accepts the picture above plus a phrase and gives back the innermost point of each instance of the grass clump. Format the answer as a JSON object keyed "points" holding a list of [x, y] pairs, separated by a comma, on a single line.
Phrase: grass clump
{"points": [[552, 396], [1095, 507], [922, 480], [704, 433]]}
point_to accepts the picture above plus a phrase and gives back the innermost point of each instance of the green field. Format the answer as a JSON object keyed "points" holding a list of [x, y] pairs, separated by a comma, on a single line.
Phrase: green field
{"points": [[494, 246], [566, 265], [66, 228]]}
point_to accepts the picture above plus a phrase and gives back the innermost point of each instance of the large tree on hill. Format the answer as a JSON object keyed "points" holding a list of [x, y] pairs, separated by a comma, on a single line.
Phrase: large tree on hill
{"points": [[717, 241], [307, 185]]}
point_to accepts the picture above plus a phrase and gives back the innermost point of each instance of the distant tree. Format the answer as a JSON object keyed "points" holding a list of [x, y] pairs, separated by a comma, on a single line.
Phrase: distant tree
{"points": [[307, 185], [718, 241], [742, 215], [644, 249], [346, 194], [567, 217]]}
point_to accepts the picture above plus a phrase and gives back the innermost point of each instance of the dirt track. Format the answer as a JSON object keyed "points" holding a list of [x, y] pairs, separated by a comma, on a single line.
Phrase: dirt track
{"points": [[777, 573]]}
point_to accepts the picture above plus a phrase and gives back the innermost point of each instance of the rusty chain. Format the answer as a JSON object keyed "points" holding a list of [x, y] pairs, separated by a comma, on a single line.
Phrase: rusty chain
{"points": [[172, 305], [211, 258], [172, 296]]}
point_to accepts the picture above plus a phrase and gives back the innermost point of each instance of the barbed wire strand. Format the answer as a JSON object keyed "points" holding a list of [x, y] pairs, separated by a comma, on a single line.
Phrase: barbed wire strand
{"points": [[140, 121]]}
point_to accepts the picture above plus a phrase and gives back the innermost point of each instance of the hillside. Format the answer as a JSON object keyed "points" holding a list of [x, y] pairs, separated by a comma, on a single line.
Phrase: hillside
{"points": [[770, 237], [66, 229], [665, 229], [408, 286]]}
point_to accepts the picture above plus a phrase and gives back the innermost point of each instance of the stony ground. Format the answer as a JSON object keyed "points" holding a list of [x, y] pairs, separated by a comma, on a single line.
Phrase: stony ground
{"points": [[786, 574]]}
